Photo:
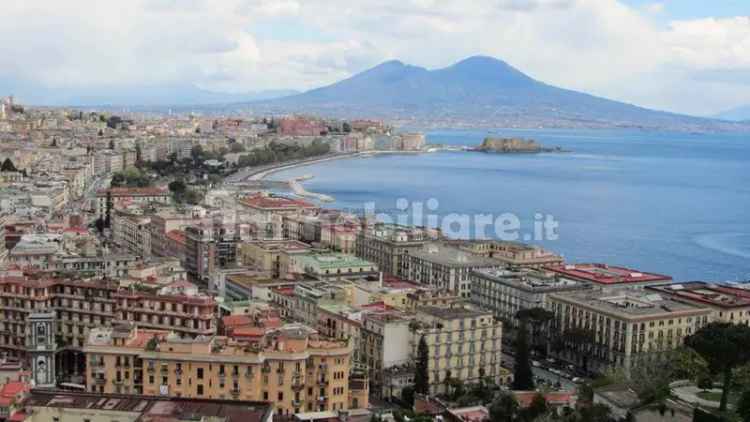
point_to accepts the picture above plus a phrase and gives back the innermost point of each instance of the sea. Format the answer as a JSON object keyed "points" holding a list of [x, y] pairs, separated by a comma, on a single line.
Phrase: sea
{"points": [[669, 203]]}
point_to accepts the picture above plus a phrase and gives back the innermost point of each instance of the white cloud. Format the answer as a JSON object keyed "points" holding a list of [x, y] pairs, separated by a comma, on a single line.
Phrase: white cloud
{"points": [[600, 46]]}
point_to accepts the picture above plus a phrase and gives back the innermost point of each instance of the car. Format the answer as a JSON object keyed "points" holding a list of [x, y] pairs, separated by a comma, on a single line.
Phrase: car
{"points": [[577, 380], [535, 363]]}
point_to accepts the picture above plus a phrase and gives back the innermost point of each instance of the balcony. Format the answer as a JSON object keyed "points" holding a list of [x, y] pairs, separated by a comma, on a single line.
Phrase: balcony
{"points": [[150, 369], [100, 381], [296, 403], [249, 374], [322, 382], [235, 392]]}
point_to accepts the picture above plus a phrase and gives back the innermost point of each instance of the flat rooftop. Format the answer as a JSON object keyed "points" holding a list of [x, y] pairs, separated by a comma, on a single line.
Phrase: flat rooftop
{"points": [[709, 294], [537, 281], [453, 313], [274, 202], [631, 303], [279, 245], [449, 255], [334, 260], [153, 408], [608, 274]]}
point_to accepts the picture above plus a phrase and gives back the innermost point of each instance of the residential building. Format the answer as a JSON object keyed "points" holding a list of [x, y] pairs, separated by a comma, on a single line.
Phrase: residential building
{"points": [[265, 255], [387, 245], [463, 344], [622, 325], [512, 254], [610, 276], [441, 266], [290, 367], [728, 303], [119, 198], [130, 232], [331, 266], [506, 292]]}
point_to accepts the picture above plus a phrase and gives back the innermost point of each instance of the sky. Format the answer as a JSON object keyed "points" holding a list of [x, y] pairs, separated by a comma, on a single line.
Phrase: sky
{"points": [[687, 56]]}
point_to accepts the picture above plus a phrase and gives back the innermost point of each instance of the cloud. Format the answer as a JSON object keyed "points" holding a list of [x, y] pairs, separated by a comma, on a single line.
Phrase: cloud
{"points": [[600, 46]]}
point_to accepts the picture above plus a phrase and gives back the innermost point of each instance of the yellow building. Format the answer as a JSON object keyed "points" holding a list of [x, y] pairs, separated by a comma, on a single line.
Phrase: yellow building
{"points": [[463, 343], [290, 367], [729, 304], [622, 325], [265, 255]]}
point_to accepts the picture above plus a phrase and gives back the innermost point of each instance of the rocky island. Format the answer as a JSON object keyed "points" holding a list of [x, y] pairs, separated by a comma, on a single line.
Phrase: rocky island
{"points": [[513, 145]]}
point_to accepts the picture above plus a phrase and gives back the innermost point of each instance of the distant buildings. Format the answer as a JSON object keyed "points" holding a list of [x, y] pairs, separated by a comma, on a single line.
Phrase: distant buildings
{"points": [[388, 245], [609, 276]]}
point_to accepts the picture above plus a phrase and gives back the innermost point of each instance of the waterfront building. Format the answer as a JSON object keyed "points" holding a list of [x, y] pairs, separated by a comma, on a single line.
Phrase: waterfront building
{"points": [[387, 245], [728, 303], [513, 254], [506, 292], [445, 267], [267, 205], [290, 367], [622, 325], [609, 276]]}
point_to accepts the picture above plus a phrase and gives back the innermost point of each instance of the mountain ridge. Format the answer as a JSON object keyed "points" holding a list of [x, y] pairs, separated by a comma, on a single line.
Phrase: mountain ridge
{"points": [[476, 91]]}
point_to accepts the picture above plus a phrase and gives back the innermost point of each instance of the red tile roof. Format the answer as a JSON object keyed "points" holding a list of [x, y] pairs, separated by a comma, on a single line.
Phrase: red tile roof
{"points": [[607, 274], [266, 202]]}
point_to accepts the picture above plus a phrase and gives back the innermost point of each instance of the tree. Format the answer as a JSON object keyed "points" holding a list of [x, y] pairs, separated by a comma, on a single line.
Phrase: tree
{"points": [[539, 318], [177, 187], [54, 143], [100, 225], [118, 180], [743, 406], [724, 347], [8, 165], [596, 413], [407, 395], [421, 377], [237, 147], [504, 408], [138, 155], [523, 378], [537, 407], [111, 144]]}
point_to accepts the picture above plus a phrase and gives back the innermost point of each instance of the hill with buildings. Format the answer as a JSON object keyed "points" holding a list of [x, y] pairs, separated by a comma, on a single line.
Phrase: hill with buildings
{"points": [[478, 91]]}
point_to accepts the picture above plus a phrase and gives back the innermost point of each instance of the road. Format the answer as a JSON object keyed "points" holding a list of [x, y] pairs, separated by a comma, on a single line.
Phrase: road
{"points": [[543, 374]]}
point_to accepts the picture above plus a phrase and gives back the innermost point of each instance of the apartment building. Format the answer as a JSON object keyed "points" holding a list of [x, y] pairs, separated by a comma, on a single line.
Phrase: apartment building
{"points": [[623, 324], [729, 303], [512, 254], [384, 344], [130, 232], [266, 255], [290, 367], [609, 276], [387, 245], [122, 197], [445, 267], [331, 266], [506, 292], [178, 307], [463, 344]]}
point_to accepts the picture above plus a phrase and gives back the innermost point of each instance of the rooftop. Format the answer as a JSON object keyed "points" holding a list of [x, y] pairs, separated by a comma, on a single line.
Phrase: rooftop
{"points": [[453, 313], [608, 274], [152, 409], [709, 294], [538, 281], [449, 255], [631, 303], [149, 191], [327, 261], [272, 202]]}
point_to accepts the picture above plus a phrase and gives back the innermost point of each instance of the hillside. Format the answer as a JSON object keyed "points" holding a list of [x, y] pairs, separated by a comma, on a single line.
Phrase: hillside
{"points": [[736, 114], [478, 91]]}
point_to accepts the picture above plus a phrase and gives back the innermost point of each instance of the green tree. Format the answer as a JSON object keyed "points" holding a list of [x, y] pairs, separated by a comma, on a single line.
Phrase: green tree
{"points": [[523, 377], [407, 395], [743, 406], [724, 346], [421, 377], [596, 413], [539, 319], [118, 180], [177, 187], [111, 143], [504, 408], [537, 408], [54, 143], [237, 147]]}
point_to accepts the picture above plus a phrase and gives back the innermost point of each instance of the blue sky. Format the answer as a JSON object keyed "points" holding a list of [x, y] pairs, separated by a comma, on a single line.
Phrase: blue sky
{"points": [[687, 56]]}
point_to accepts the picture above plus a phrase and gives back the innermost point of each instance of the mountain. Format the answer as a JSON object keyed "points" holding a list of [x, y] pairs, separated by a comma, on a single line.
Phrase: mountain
{"points": [[478, 91], [736, 114]]}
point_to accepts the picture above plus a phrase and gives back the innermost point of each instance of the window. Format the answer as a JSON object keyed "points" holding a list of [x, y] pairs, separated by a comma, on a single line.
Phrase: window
{"points": [[200, 373], [200, 389]]}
